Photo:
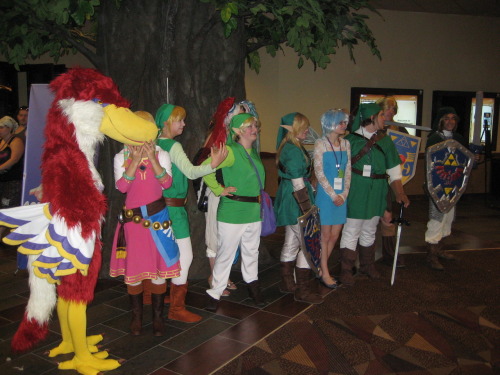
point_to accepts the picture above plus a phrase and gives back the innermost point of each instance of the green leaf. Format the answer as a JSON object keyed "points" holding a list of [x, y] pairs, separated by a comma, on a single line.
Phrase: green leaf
{"points": [[300, 63]]}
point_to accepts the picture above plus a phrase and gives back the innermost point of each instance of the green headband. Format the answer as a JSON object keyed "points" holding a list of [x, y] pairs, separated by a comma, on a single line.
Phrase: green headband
{"points": [[162, 114], [366, 110]]}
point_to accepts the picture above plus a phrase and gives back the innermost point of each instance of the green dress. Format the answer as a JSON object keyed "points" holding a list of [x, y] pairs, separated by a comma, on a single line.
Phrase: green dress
{"points": [[293, 164], [367, 196]]}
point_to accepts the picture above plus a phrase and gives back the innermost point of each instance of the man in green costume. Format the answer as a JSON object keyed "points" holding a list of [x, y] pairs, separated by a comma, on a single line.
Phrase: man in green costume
{"points": [[374, 158]]}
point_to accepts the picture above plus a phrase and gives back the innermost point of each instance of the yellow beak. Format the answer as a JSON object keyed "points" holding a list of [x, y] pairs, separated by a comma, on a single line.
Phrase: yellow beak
{"points": [[124, 126]]}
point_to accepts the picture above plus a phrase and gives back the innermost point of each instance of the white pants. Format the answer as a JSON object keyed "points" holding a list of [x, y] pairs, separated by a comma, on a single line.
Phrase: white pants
{"points": [[291, 247], [211, 225], [359, 230], [436, 230], [185, 259], [230, 236]]}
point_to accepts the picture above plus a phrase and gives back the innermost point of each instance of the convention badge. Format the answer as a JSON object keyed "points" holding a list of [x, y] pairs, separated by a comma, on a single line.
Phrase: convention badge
{"points": [[367, 170], [340, 173], [337, 183]]}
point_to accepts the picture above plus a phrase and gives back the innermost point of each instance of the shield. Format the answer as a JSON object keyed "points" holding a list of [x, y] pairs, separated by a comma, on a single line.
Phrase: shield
{"points": [[408, 146], [310, 230], [449, 165]]}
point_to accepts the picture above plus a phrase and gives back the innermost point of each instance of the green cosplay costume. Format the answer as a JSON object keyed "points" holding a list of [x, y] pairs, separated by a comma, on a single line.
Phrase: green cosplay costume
{"points": [[294, 163], [367, 196], [182, 169]]}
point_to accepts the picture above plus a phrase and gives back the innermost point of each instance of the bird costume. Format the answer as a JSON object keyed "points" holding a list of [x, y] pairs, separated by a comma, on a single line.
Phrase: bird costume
{"points": [[61, 235]]}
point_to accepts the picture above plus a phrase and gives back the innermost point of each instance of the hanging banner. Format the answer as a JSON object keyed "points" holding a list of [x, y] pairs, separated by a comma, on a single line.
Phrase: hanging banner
{"points": [[40, 101]]}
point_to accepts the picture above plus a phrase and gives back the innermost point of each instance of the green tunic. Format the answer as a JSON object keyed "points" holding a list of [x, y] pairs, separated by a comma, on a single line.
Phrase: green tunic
{"points": [[367, 196], [294, 165], [237, 171], [182, 169]]}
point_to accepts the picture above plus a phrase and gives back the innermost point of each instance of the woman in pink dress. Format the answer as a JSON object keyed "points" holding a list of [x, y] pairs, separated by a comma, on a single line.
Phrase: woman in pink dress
{"points": [[144, 246]]}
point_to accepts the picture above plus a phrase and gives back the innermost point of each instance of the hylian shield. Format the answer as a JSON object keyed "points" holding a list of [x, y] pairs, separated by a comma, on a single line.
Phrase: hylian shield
{"points": [[449, 165], [310, 229], [408, 146]]}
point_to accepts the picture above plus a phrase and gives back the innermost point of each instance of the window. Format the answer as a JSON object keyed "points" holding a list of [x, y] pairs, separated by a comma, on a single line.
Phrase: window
{"points": [[409, 103]]}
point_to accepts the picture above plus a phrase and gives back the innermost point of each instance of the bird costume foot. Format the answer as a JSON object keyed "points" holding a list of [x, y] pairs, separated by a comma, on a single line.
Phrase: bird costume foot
{"points": [[73, 320]]}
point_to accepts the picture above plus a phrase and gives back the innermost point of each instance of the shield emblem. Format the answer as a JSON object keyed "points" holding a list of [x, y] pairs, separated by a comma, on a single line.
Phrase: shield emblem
{"points": [[449, 165], [408, 146], [310, 229]]}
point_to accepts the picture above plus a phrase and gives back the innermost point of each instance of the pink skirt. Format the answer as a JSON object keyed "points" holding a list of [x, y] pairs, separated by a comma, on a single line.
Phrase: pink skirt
{"points": [[143, 261]]}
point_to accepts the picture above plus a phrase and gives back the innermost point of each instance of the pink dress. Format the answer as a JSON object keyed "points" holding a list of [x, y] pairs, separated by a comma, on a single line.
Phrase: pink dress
{"points": [[143, 260]]}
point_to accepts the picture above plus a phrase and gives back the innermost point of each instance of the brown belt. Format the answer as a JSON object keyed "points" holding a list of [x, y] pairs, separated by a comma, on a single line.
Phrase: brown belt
{"points": [[151, 208], [372, 175], [175, 202], [242, 198]]}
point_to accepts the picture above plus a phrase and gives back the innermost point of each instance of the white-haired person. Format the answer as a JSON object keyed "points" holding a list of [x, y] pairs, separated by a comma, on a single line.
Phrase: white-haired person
{"points": [[332, 166]]}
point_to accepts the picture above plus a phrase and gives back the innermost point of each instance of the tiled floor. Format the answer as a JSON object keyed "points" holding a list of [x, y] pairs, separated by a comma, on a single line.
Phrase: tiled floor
{"points": [[237, 325]]}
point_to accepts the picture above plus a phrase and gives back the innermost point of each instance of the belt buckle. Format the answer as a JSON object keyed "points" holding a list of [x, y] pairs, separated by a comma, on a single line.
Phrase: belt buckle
{"points": [[259, 198]]}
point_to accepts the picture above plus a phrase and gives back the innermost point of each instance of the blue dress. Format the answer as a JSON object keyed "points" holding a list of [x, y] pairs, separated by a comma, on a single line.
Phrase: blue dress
{"points": [[329, 213]]}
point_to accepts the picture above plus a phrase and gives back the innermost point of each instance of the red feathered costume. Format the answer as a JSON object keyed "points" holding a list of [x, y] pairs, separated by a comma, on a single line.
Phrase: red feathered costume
{"points": [[61, 235]]}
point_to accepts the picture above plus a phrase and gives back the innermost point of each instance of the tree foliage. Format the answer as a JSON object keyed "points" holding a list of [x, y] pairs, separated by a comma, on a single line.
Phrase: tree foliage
{"points": [[315, 29]]}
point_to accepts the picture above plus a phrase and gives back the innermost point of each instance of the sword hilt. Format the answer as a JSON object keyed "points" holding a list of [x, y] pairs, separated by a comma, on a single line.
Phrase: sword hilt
{"points": [[400, 220]]}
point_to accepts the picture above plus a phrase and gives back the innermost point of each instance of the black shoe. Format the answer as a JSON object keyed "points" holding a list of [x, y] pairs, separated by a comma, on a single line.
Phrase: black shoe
{"points": [[212, 304]]}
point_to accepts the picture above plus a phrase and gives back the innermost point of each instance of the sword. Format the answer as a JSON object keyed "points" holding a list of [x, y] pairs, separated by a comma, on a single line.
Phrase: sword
{"points": [[387, 123], [399, 221]]}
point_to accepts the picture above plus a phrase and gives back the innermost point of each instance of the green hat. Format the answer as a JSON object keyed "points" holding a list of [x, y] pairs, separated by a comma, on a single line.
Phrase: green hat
{"points": [[366, 110], [286, 120], [235, 123], [443, 111], [162, 114]]}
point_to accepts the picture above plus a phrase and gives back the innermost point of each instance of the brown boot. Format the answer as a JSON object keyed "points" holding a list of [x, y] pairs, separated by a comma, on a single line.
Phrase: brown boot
{"points": [[432, 256], [254, 292], [367, 261], [287, 284], [388, 250], [157, 304], [441, 254], [147, 293], [347, 259], [135, 296], [305, 291], [177, 310]]}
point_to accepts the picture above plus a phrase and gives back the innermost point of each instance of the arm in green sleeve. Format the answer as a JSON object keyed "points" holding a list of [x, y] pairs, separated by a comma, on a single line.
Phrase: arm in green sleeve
{"points": [[211, 180], [180, 159]]}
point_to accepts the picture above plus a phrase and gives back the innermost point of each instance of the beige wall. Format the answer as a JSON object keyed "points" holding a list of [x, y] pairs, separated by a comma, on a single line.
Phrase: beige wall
{"points": [[419, 51]]}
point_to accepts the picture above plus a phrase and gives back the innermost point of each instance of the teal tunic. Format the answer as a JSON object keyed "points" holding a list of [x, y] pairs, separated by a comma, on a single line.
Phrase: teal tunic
{"points": [[179, 188], [294, 164], [367, 196]]}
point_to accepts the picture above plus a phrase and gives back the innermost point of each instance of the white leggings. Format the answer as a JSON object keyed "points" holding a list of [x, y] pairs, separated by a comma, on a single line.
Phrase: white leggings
{"points": [[291, 247], [359, 229]]}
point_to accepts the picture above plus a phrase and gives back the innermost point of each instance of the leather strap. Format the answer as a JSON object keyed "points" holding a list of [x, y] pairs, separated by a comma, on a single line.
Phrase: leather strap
{"points": [[242, 198], [375, 176], [175, 202], [152, 208], [367, 147]]}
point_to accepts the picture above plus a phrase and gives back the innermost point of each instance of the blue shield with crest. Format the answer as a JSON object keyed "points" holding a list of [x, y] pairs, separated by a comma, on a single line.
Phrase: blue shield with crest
{"points": [[449, 165], [407, 146]]}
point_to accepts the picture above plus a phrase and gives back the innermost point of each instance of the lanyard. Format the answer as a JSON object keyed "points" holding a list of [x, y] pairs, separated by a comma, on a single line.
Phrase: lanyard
{"points": [[337, 164]]}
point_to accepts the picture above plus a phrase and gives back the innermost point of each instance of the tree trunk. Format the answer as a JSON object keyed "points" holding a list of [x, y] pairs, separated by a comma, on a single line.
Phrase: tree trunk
{"points": [[160, 51]]}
